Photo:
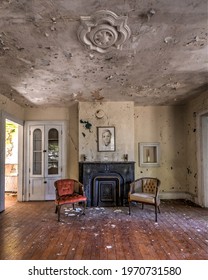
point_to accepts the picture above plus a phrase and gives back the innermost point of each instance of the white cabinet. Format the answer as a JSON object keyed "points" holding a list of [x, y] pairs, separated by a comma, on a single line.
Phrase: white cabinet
{"points": [[45, 159]]}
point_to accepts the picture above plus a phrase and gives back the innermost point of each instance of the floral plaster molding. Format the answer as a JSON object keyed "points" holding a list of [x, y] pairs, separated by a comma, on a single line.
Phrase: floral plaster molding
{"points": [[104, 31]]}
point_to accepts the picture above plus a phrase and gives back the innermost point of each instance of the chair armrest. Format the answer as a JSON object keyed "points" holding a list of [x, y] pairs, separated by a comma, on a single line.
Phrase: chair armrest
{"points": [[131, 190]]}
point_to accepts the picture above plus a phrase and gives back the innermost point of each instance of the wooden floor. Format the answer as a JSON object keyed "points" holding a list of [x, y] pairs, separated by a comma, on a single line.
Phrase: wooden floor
{"points": [[30, 231]]}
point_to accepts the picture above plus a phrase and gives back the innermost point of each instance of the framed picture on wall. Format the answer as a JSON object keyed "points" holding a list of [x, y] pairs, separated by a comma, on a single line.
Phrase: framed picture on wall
{"points": [[106, 138]]}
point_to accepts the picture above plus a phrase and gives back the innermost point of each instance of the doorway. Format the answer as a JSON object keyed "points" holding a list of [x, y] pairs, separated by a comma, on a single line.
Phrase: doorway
{"points": [[45, 159], [203, 160], [11, 161]]}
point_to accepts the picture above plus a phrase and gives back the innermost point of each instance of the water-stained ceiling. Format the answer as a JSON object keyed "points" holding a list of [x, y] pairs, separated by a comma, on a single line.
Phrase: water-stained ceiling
{"points": [[54, 53]]}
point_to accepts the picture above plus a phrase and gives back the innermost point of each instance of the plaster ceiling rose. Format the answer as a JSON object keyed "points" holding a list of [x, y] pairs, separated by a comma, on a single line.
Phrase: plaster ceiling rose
{"points": [[104, 31]]}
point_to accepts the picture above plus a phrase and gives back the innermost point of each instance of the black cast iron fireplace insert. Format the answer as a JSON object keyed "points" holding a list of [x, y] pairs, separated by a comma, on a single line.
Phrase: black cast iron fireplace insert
{"points": [[106, 183]]}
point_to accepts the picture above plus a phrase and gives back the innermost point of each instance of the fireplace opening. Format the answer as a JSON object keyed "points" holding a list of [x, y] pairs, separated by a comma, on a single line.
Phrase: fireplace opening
{"points": [[107, 191], [106, 183]]}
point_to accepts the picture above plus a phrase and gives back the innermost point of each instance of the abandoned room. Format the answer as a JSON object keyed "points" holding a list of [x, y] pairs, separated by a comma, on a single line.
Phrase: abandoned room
{"points": [[108, 94]]}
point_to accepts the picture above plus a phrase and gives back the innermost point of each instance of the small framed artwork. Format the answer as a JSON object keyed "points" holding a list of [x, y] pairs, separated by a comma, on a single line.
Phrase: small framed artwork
{"points": [[106, 138], [149, 154]]}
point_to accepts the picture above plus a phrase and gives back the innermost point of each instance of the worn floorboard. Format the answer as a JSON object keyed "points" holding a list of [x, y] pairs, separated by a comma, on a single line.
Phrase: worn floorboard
{"points": [[30, 231]]}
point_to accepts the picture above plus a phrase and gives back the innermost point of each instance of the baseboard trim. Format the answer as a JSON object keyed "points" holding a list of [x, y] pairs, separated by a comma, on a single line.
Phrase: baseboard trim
{"points": [[177, 195]]}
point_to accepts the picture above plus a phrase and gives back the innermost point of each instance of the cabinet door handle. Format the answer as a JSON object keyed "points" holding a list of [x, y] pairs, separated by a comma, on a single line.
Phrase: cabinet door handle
{"points": [[44, 151], [45, 182]]}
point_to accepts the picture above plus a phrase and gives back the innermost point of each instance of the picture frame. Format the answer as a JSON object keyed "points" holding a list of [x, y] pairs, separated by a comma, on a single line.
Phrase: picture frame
{"points": [[149, 154], [106, 138]]}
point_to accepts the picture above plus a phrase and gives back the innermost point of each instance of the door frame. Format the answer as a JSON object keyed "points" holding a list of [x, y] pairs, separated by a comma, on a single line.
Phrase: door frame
{"points": [[202, 148], [27, 150], [3, 117]]}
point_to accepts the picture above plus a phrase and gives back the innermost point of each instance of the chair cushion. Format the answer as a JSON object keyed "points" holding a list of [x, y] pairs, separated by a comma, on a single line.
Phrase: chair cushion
{"points": [[65, 187], [70, 199], [144, 198]]}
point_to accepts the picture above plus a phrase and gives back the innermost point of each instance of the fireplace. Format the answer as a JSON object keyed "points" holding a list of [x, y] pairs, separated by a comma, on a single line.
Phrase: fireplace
{"points": [[106, 183]]}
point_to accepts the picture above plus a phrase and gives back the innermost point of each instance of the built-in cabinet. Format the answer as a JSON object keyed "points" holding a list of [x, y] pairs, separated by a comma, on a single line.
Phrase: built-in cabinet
{"points": [[45, 159]]}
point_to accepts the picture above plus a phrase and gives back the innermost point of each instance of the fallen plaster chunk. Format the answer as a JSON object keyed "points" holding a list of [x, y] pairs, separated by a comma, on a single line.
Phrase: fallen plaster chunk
{"points": [[118, 211], [108, 247], [168, 40]]}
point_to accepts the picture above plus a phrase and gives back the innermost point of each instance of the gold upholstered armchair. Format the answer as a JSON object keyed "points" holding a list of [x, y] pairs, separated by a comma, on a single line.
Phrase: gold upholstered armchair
{"points": [[145, 190], [69, 191]]}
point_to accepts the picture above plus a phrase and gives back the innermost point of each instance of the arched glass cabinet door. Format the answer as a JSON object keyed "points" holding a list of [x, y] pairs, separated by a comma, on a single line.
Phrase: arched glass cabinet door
{"points": [[53, 151], [37, 155]]}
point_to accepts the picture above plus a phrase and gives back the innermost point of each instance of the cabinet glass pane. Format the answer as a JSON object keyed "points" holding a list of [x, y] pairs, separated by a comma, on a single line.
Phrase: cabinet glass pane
{"points": [[53, 151], [37, 152]]}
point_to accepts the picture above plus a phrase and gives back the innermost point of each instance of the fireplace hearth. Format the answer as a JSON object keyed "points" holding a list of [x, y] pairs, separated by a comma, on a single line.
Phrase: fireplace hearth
{"points": [[106, 183]]}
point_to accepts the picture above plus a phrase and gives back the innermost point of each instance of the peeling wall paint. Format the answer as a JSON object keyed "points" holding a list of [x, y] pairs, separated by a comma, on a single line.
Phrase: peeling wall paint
{"points": [[174, 127], [193, 109], [11, 107], [117, 114], [163, 124]]}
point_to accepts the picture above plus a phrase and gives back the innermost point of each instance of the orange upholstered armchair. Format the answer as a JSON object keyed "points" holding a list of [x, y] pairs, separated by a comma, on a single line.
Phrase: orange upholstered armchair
{"points": [[145, 191], [69, 191]]}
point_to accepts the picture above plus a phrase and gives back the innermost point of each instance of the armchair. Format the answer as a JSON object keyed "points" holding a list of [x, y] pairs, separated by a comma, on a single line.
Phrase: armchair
{"points": [[145, 191], [69, 191]]}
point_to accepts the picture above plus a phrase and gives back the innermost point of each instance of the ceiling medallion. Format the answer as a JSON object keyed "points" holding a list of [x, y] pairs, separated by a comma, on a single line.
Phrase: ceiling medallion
{"points": [[103, 31]]}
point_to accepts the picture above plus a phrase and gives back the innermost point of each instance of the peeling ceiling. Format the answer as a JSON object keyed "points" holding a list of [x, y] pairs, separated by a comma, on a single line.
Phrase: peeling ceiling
{"points": [[157, 54]]}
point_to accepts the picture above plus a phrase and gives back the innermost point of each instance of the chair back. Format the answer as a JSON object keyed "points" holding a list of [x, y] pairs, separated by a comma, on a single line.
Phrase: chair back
{"points": [[64, 186], [145, 184], [136, 186], [150, 185]]}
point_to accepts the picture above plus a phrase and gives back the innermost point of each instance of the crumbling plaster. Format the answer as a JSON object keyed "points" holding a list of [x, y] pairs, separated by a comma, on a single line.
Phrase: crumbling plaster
{"points": [[11, 107], [174, 127], [70, 117], [194, 109], [117, 114], [163, 124], [43, 63]]}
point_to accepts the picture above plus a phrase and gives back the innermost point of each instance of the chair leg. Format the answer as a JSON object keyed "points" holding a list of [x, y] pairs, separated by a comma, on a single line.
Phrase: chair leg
{"points": [[56, 210], [59, 212], [129, 208], [155, 213], [84, 207], [142, 206], [158, 208]]}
